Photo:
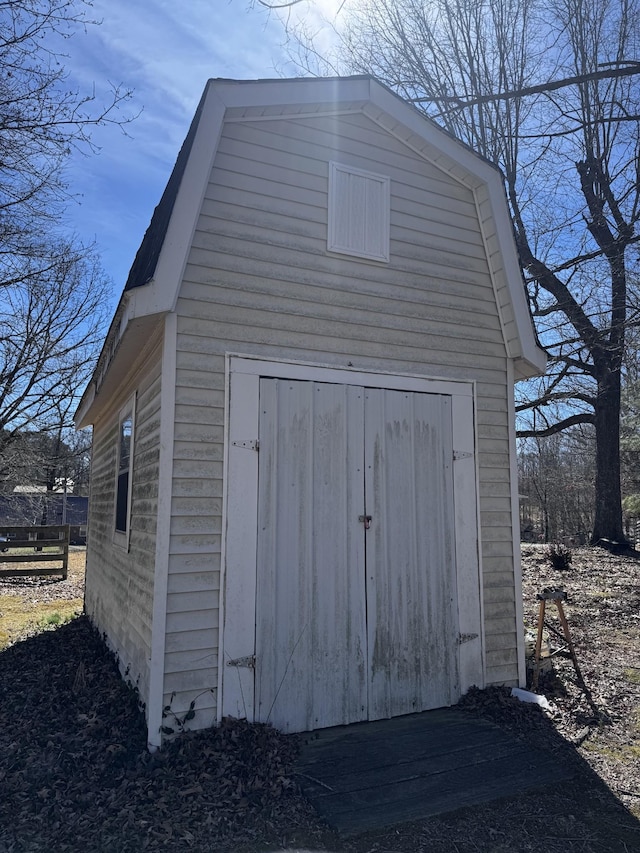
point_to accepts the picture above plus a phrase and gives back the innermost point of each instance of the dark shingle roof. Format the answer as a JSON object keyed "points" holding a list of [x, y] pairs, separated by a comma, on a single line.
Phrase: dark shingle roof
{"points": [[144, 264]]}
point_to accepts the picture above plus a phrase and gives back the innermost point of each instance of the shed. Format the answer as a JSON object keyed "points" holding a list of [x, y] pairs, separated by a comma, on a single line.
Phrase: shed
{"points": [[304, 503]]}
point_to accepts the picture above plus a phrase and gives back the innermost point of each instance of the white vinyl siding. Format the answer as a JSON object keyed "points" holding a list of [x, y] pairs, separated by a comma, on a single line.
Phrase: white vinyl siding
{"points": [[119, 583], [259, 280], [191, 651], [358, 215]]}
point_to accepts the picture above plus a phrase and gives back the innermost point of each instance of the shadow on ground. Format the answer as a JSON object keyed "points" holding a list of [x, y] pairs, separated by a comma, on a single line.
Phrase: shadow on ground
{"points": [[75, 776]]}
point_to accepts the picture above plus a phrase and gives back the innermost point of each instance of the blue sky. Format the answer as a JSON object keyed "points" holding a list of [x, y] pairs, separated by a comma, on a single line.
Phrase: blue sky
{"points": [[165, 51]]}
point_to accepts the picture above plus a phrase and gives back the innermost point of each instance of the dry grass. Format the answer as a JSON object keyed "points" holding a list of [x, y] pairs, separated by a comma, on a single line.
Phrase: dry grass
{"points": [[29, 605], [19, 619]]}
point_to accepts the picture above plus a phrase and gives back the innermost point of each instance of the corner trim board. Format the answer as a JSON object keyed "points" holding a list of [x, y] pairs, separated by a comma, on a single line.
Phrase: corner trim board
{"points": [[163, 537]]}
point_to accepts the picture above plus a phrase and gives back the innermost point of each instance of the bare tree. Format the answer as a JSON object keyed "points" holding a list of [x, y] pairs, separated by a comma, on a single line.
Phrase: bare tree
{"points": [[556, 480], [630, 422], [53, 293], [40, 471], [41, 119], [53, 323], [546, 91]]}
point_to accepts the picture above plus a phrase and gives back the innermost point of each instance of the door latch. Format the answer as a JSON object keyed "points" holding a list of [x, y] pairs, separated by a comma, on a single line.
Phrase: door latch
{"points": [[366, 520]]}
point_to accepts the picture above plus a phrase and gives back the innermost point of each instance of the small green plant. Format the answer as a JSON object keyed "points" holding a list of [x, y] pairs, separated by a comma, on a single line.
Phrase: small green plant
{"points": [[632, 674], [560, 557], [179, 721], [631, 506], [54, 619]]}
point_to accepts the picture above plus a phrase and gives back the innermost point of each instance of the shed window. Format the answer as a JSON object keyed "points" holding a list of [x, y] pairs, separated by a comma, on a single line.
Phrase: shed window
{"points": [[359, 205], [125, 459]]}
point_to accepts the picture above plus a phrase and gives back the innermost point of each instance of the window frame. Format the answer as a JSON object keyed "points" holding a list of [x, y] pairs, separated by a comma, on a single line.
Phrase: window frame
{"points": [[123, 537]]}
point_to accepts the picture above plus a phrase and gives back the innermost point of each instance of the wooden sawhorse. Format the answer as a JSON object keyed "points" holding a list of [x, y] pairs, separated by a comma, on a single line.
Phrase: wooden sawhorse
{"points": [[557, 596]]}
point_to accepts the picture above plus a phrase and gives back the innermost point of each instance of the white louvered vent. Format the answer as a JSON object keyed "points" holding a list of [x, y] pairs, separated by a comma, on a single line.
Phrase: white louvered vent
{"points": [[359, 205]]}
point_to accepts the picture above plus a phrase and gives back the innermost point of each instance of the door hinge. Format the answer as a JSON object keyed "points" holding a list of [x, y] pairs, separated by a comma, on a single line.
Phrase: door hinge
{"points": [[249, 444], [461, 454], [248, 661], [466, 638]]}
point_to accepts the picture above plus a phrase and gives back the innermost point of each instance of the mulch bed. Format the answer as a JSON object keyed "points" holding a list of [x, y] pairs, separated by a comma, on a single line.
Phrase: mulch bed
{"points": [[75, 774]]}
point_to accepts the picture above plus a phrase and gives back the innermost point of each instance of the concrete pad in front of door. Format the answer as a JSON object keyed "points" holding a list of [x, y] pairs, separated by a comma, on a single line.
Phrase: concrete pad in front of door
{"points": [[371, 775]]}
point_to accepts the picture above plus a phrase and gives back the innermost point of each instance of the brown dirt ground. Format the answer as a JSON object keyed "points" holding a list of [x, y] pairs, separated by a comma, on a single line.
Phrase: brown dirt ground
{"points": [[75, 775]]}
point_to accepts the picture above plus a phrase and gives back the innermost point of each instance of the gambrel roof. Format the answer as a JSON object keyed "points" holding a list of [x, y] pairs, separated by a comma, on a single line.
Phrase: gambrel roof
{"points": [[154, 281]]}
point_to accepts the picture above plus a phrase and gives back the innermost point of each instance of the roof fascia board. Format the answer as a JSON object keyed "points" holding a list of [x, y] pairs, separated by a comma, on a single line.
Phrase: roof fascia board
{"points": [[299, 90], [80, 417], [101, 368], [408, 116], [532, 362], [431, 150], [531, 352], [238, 94], [125, 364], [304, 91], [302, 114]]}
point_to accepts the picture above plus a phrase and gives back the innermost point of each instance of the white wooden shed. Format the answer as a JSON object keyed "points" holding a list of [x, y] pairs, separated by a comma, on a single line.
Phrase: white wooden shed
{"points": [[304, 497]]}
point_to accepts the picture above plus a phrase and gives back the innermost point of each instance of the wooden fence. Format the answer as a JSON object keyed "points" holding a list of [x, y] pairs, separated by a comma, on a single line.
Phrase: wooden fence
{"points": [[48, 544]]}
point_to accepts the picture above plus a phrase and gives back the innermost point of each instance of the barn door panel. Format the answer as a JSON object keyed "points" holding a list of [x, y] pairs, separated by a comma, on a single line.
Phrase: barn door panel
{"points": [[410, 564], [310, 601]]}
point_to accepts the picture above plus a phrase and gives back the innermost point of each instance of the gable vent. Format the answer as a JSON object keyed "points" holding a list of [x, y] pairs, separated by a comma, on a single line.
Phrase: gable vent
{"points": [[359, 204]]}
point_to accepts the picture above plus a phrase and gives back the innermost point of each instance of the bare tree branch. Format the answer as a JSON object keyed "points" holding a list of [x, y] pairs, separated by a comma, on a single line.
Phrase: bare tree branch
{"points": [[558, 426], [546, 399], [629, 69], [279, 5]]}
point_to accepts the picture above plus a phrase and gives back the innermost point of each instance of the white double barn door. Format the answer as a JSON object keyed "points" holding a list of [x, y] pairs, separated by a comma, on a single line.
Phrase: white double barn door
{"points": [[356, 619]]}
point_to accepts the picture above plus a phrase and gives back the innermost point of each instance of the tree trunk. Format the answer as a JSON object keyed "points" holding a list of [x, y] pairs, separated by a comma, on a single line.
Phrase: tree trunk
{"points": [[607, 526]]}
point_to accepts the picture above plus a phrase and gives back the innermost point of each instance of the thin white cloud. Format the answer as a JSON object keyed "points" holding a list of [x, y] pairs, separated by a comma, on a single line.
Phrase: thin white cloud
{"points": [[165, 52]]}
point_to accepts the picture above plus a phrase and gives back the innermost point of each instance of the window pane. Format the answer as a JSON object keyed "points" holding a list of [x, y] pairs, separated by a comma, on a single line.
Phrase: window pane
{"points": [[122, 502], [124, 462], [125, 443]]}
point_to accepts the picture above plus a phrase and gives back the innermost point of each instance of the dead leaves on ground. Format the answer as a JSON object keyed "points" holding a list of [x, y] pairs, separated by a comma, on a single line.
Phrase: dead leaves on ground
{"points": [[76, 775]]}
